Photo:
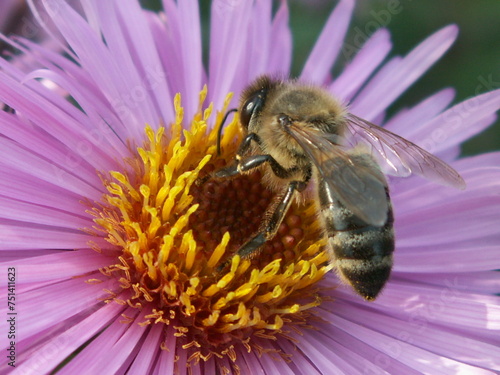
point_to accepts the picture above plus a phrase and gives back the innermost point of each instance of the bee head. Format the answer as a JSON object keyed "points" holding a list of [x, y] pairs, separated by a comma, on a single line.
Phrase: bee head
{"points": [[254, 99]]}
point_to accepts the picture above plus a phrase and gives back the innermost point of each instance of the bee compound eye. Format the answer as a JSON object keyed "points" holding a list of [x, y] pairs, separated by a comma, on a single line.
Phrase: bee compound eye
{"points": [[246, 112], [252, 106]]}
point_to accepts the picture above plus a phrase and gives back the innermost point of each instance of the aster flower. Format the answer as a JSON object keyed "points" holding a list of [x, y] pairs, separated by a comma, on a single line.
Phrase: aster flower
{"points": [[115, 246]]}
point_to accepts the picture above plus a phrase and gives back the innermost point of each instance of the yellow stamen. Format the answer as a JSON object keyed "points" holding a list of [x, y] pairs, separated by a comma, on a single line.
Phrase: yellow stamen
{"points": [[177, 231]]}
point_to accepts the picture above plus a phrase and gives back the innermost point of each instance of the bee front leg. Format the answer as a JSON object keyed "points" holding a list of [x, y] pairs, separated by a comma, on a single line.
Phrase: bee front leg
{"points": [[241, 164]]}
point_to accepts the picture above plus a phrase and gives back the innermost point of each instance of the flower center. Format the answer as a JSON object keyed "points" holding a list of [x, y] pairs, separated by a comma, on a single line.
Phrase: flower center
{"points": [[174, 228]]}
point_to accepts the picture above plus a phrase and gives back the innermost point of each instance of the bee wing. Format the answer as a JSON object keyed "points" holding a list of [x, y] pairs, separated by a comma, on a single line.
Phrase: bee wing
{"points": [[355, 179], [402, 156]]}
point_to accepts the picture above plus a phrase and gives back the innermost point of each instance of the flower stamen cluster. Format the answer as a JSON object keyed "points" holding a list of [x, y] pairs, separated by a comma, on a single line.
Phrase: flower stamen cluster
{"points": [[170, 224]]}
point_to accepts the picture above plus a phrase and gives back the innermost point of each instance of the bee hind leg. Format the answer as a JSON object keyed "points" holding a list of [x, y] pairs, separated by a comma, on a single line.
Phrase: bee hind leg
{"points": [[271, 225]]}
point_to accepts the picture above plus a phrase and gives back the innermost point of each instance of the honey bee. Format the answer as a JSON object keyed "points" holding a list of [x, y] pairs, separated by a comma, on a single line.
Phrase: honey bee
{"points": [[300, 134]]}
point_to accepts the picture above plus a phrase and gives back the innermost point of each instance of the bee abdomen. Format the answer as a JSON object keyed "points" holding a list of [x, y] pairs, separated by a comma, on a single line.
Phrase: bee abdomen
{"points": [[362, 253], [364, 258]]}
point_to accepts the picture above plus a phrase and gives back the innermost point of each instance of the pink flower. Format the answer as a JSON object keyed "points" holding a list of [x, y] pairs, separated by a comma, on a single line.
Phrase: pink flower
{"points": [[72, 231]]}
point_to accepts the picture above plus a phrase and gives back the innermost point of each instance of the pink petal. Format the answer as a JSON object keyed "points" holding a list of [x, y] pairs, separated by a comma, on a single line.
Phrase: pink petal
{"points": [[184, 51], [228, 37], [23, 187], [431, 259], [34, 214], [151, 78], [121, 87], [409, 121], [446, 344], [124, 349], [486, 283], [55, 121], [90, 359], [210, 367], [389, 84], [399, 349], [300, 363], [45, 307], [99, 123], [16, 156], [328, 45], [268, 364], [457, 310], [45, 358], [62, 265], [369, 57], [459, 122], [326, 354], [165, 363], [443, 223], [249, 362], [149, 351], [352, 336], [14, 236], [15, 255], [259, 42], [280, 55]]}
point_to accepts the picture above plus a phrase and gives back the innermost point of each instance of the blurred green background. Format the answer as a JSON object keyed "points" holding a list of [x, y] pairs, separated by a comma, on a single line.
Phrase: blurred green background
{"points": [[472, 65]]}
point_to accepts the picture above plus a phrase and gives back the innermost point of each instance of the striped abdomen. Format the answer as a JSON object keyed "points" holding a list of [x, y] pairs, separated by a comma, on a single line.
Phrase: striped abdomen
{"points": [[362, 253]]}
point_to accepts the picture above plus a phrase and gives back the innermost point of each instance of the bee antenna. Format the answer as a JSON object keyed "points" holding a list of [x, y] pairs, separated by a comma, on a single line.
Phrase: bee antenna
{"points": [[219, 131]]}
